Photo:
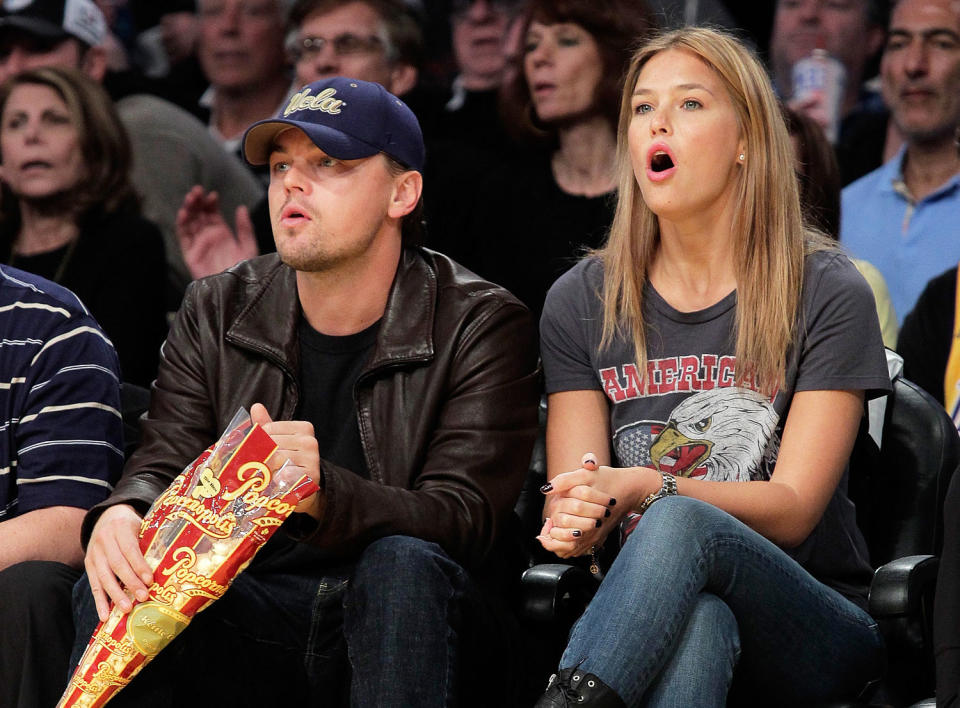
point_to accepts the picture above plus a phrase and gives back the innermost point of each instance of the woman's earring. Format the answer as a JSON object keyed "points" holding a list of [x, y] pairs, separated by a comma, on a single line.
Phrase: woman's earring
{"points": [[742, 157]]}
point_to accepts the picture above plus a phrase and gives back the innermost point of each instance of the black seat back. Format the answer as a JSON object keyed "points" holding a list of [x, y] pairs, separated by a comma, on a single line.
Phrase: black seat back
{"points": [[899, 492], [899, 489]]}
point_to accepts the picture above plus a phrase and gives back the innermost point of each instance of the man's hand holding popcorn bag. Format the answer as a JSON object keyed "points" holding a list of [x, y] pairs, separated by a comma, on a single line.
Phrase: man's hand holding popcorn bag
{"points": [[197, 536]]}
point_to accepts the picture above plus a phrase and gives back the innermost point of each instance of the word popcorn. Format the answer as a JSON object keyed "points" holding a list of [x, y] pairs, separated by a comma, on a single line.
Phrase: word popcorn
{"points": [[197, 537]]}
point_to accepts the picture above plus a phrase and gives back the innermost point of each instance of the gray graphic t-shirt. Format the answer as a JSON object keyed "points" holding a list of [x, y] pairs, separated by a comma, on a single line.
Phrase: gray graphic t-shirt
{"points": [[691, 420]]}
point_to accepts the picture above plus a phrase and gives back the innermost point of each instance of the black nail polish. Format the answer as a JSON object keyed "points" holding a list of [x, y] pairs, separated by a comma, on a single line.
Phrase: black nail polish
{"points": [[599, 523], [546, 488], [613, 502], [606, 514], [578, 533]]}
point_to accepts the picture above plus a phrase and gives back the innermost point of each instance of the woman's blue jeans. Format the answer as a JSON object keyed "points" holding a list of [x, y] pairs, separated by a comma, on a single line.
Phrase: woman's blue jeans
{"points": [[695, 594]]}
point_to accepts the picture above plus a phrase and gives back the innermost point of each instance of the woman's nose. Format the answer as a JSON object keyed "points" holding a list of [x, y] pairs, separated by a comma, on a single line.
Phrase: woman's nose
{"points": [[31, 131], [541, 54], [660, 123]]}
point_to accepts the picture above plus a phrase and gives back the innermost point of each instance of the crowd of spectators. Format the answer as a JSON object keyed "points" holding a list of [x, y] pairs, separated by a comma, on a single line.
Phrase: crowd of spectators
{"points": [[123, 180]]}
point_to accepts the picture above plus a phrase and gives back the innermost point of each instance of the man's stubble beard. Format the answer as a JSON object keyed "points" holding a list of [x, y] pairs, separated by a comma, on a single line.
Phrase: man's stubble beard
{"points": [[317, 256]]}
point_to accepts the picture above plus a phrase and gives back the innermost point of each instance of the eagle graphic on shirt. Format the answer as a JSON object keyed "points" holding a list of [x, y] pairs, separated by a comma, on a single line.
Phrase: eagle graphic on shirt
{"points": [[724, 434]]}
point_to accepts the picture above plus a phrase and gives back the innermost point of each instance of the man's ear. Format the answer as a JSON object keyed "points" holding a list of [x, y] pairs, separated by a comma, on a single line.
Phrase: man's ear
{"points": [[406, 194], [403, 77], [94, 63]]}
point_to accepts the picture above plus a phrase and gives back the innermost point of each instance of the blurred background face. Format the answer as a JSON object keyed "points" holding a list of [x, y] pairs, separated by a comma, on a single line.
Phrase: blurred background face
{"points": [[480, 30], [842, 26], [178, 32], [20, 51], [39, 143], [241, 42], [920, 69], [562, 67], [349, 40]]}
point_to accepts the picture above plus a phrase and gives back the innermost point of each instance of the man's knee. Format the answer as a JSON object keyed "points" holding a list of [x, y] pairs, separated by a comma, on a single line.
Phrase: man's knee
{"points": [[36, 585], [35, 602], [36, 631], [404, 559]]}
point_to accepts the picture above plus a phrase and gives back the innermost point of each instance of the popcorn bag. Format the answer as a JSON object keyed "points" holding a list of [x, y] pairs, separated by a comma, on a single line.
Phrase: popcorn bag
{"points": [[197, 536]]}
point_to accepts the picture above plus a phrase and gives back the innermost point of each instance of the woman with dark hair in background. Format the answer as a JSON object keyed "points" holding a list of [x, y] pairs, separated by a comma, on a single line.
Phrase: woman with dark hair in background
{"points": [[69, 213], [534, 216], [818, 175]]}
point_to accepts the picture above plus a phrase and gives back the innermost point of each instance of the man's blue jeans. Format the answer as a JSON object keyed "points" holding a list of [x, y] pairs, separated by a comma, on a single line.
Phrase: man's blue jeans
{"points": [[387, 625], [695, 594]]}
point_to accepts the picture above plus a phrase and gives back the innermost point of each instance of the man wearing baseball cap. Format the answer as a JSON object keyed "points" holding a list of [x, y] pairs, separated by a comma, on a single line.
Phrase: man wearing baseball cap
{"points": [[53, 21], [405, 386]]}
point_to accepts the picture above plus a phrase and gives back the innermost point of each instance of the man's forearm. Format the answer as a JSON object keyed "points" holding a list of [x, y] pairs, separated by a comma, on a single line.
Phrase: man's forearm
{"points": [[51, 534]]}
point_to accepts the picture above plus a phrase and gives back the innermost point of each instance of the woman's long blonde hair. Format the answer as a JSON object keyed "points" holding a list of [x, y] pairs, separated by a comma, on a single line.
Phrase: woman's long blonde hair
{"points": [[770, 239]]}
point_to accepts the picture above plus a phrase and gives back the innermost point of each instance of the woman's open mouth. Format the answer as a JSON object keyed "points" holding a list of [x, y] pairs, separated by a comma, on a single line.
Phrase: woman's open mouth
{"points": [[660, 162]]}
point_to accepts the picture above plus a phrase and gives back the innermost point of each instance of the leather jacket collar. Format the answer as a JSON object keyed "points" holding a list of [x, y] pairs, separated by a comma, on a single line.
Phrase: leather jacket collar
{"points": [[268, 324]]}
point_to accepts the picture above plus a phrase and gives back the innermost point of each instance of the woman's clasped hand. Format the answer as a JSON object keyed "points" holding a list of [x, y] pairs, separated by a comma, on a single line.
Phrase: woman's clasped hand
{"points": [[584, 505]]}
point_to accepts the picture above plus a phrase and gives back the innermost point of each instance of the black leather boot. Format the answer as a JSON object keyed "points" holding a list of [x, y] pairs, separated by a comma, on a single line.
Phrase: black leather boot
{"points": [[573, 687]]}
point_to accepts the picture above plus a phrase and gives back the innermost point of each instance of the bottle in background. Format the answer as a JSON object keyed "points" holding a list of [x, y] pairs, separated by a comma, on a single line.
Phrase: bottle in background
{"points": [[821, 78]]}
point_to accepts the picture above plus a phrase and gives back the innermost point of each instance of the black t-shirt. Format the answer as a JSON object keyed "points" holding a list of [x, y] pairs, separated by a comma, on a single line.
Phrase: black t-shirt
{"points": [[329, 367], [118, 270], [523, 231]]}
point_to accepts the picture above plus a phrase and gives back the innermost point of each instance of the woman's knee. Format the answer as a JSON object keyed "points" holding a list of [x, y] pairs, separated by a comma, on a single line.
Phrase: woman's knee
{"points": [[685, 512], [673, 522]]}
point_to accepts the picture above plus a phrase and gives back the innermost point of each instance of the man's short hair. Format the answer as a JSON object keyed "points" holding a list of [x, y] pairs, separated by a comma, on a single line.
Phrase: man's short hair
{"points": [[413, 225], [878, 12]]}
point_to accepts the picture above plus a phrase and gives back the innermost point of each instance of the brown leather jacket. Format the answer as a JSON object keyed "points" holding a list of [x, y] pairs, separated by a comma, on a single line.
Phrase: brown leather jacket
{"points": [[447, 405]]}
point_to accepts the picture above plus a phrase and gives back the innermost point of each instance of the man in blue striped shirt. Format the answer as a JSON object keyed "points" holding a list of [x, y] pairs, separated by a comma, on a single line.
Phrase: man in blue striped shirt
{"points": [[61, 452]]}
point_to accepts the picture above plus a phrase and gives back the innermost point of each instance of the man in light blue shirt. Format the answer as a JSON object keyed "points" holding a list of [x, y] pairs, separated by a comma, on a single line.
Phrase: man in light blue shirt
{"points": [[904, 217]]}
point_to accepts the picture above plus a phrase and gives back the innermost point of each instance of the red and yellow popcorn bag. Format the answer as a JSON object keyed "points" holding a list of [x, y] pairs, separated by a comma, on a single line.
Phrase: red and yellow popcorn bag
{"points": [[197, 536]]}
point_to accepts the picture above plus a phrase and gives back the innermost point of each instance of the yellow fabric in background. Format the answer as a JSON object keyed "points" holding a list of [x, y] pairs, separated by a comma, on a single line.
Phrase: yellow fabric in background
{"points": [[885, 311], [951, 377]]}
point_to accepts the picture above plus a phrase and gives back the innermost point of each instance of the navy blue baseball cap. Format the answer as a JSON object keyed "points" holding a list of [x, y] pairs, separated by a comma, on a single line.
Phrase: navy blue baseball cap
{"points": [[347, 119]]}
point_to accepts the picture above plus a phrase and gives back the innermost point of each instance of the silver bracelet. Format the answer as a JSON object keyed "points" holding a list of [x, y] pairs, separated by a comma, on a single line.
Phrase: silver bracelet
{"points": [[668, 488]]}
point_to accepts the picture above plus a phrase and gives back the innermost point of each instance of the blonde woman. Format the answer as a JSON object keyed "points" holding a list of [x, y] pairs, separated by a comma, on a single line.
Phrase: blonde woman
{"points": [[707, 371]]}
